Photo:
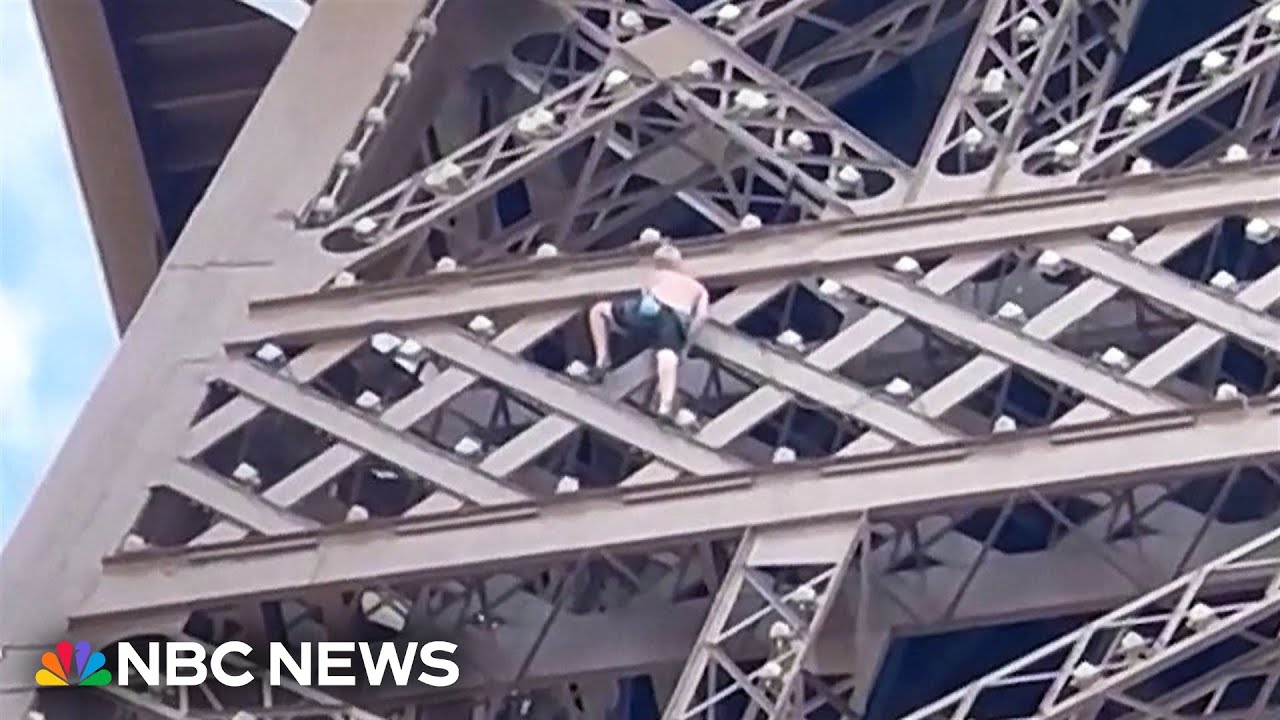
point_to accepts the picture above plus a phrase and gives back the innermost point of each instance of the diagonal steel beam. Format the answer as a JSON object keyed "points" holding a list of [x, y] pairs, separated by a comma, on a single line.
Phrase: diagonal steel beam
{"points": [[808, 379], [671, 49], [1003, 342], [1189, 344], [1205, 697], [565, 397], [232, 503], [947, 393], [654, 514], [800, 251], [1217, 310], [690, 40], [441, 469], [400, 416]]}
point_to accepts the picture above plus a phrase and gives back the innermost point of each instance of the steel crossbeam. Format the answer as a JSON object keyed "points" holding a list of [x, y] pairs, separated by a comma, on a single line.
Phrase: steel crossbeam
{"points": [[400, 416], [1206, 698], [1173, 355], [1097, 670], [1220, 310], [947, 393], [1112, 132], [566, 398], [450, 475], [705, 507], [1009, 345], [820, 249], [487, 163], [245, 509]]}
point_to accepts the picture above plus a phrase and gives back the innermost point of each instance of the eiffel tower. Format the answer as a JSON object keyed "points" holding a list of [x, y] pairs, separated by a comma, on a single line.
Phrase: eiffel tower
{"points": [[991, 367]]}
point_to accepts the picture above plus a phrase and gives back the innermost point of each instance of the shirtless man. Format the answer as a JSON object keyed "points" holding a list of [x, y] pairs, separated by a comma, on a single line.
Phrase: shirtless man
{"points": [[665, 313]]}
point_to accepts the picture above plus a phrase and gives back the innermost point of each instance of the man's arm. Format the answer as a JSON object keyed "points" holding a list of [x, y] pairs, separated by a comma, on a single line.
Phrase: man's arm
{"points": [[701, 310]]}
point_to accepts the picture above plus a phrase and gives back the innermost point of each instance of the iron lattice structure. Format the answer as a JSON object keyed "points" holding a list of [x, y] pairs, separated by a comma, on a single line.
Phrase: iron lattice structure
{"points": [[1022, 369]]}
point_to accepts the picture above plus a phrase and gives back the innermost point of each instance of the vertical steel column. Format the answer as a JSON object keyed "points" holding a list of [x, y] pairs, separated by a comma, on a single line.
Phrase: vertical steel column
{"points": [[763, 594]]}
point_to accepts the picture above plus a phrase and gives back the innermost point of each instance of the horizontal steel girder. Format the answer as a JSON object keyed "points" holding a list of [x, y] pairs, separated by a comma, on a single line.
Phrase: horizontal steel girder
{"points": [[655, 515], [796, 252]]}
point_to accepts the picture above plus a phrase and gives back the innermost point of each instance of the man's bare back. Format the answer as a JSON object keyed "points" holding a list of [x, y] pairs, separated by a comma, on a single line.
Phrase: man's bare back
{"points": [[677, 290]]}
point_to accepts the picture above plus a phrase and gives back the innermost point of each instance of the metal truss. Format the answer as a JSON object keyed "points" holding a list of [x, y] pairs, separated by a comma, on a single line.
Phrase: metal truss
{"points": [[1124, 663], [1030, 68], [471, 356], [821, 249], [380, 421], [1115, 131], [574, 113], [660, 513], [790, 596], [360, 147]]}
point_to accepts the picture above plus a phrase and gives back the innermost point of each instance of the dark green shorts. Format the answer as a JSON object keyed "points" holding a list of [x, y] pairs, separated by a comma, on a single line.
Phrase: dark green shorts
{"points": [[664, 330]]}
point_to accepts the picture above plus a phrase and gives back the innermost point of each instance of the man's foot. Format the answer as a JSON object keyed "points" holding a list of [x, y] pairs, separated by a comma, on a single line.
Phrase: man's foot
{"points": [[596, 375]]}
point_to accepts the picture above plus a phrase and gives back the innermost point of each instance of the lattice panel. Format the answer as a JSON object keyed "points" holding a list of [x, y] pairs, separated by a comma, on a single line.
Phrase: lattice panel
{"points": [[1123, 661], [934, 367]]}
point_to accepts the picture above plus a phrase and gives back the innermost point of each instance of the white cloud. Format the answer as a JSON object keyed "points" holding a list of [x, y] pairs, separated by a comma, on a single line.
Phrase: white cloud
{"points": [[289, 12], [55, 327], [18, 336]]}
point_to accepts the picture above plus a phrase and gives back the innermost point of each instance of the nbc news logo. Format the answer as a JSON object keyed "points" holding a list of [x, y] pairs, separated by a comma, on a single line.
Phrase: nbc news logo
{"points": [[322, 664], [89, 670]]}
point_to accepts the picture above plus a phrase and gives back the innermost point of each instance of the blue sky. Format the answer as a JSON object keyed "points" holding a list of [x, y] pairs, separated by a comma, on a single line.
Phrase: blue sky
{"points": [[56, 330]]}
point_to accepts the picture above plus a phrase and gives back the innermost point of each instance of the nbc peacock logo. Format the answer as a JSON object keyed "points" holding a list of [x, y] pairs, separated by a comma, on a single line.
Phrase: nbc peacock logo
{"points": [[57, 667]]}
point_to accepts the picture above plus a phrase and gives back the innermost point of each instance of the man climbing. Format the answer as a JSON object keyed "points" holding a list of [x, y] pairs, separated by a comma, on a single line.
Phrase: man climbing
{"points": [[664, 314]]}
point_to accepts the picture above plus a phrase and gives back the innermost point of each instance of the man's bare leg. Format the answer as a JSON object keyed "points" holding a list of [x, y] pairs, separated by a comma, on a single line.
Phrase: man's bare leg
{"points": [[668, 370], [598, 322]]}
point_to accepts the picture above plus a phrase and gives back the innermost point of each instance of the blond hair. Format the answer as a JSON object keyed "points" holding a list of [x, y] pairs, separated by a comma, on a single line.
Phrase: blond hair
{"points": [[667, 257]]}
